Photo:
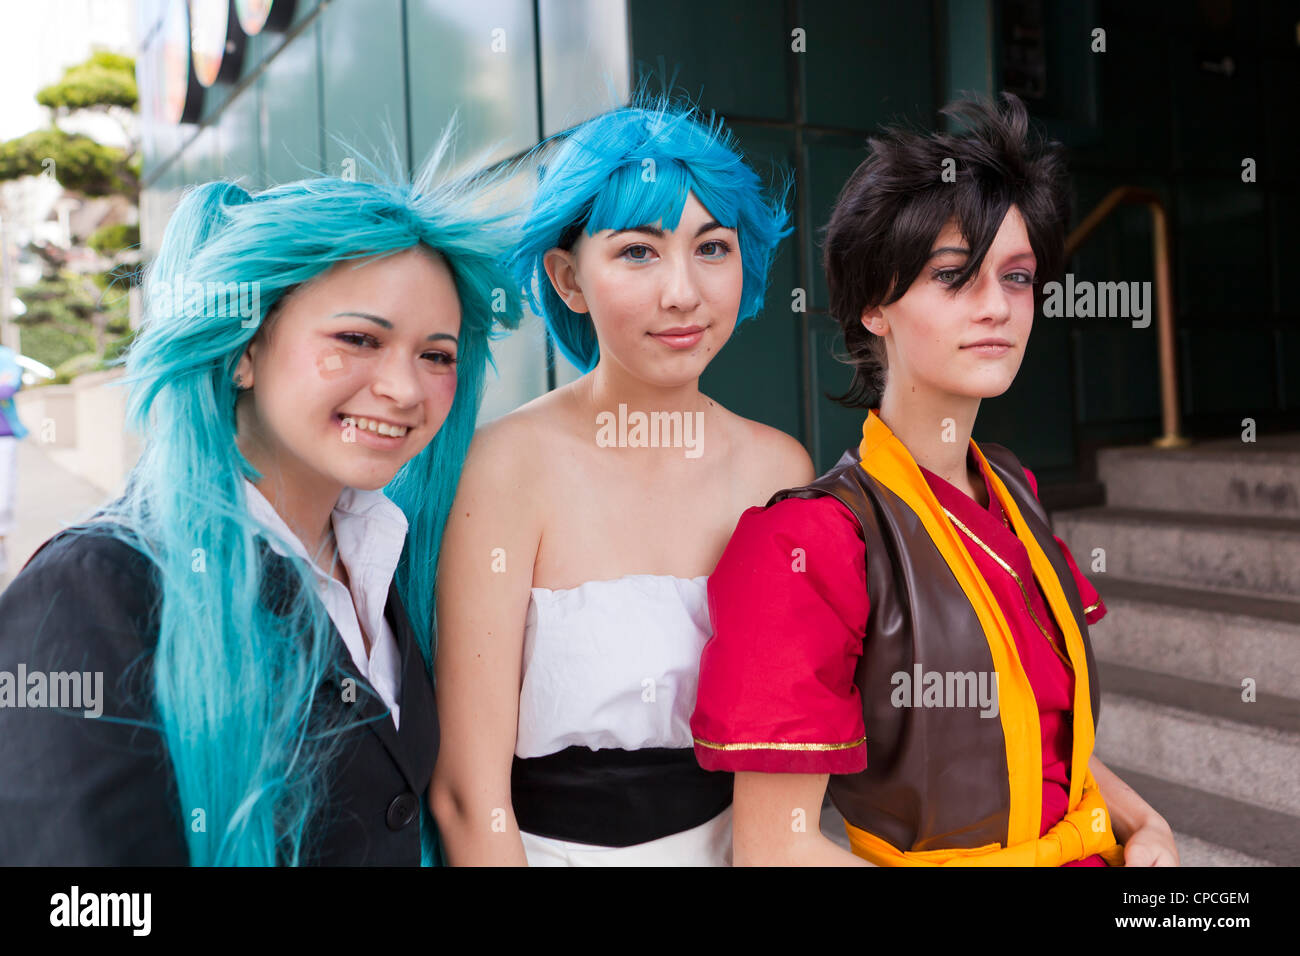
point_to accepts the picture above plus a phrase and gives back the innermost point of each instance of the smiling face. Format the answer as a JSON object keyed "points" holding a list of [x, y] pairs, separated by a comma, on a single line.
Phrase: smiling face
{"points": [[353, 374], [966, 343], [662, 303]]}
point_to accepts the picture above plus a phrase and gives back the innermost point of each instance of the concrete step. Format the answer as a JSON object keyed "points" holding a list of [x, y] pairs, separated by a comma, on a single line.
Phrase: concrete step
{"points": [[1211, 830], [1231, 477], [1202, 736], [1193, 851], [1208, 830], [1236, 555], [1200, 635]]}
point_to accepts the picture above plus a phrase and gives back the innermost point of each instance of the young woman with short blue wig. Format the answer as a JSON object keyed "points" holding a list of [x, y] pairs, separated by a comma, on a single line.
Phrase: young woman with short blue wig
{"points": [[573, 610], [261, 618], [636, 166]]}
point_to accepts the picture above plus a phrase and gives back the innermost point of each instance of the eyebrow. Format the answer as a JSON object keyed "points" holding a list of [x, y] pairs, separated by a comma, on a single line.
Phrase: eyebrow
{"points": [[384, 323], [659, 233], [965, 252]]}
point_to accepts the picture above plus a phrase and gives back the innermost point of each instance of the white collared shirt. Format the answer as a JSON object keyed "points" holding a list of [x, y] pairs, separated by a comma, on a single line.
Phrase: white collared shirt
{"points": [[369, 531]]}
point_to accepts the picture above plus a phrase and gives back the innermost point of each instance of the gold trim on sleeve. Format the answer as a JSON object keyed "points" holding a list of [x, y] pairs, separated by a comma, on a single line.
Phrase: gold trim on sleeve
{"points": [[1089, 610], [779, 746]]}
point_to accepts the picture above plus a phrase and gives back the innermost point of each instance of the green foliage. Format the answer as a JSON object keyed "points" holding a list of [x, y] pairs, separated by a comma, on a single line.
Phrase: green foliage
{"points": [[76, 365], [67, 315], [73, 323], [60, 301], [117, 346], [108, 60], [110, 240], [79, 162], [53, 345], [114, 296], [106, 79]]}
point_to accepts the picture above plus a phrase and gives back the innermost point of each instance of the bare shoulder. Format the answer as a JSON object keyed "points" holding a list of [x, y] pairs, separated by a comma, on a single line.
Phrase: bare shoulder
{"points": [[775, 459], [514, 439], [512, 455]]}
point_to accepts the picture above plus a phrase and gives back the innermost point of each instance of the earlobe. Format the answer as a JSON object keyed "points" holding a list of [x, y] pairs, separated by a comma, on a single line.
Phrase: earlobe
{"points": [[243, 377], [561, 269], [873, 320]]}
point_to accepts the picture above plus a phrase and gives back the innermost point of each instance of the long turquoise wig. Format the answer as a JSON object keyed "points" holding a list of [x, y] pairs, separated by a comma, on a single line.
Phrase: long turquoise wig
{"points": [[635, 166], [234, 679]]}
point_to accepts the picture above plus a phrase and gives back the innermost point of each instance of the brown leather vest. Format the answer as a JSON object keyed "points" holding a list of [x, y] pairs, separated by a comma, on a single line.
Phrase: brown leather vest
{"points": [[936, 777]]}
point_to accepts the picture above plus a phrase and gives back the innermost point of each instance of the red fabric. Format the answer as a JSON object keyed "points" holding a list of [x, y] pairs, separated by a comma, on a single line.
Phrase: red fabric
{"points": [[787, 637], [1051, 679], [788, 603]]}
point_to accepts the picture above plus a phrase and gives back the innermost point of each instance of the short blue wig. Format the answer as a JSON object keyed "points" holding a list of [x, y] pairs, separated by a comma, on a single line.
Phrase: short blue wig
{"points": [[635, 166]]}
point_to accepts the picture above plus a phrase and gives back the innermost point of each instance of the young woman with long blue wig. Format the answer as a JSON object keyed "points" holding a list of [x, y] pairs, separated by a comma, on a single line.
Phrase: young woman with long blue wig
{"points": [[268, 746], [572, 611]]}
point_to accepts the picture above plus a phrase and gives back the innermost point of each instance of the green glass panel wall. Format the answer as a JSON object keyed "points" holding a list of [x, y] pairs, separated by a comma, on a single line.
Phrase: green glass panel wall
{"points": [[1158, 109], [289, 110], [477, 62], [585, 60], [241, 139], [363, 98]]}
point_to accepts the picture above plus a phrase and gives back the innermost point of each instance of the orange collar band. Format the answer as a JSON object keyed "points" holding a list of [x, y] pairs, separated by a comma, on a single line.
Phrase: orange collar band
{"points": [[1086, 827]]}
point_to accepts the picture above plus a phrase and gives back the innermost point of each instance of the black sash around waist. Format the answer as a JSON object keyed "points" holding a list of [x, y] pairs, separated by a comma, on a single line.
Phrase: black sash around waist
{"points": [[615, 797]]}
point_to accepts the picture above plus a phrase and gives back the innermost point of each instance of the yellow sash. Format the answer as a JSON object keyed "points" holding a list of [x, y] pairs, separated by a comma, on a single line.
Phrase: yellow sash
{"points": [[1086, 828]]}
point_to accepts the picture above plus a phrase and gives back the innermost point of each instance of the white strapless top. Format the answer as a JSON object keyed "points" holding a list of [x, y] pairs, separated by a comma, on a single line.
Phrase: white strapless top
{"points": [[612, 664]]}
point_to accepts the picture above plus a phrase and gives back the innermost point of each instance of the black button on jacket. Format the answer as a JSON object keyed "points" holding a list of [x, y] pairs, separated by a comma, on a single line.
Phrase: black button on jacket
{"points": [[79, 791]]}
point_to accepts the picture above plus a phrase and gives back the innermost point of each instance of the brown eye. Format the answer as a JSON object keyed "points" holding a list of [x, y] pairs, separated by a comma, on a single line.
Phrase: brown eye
{"points": [[637, 253], [359, 339]]}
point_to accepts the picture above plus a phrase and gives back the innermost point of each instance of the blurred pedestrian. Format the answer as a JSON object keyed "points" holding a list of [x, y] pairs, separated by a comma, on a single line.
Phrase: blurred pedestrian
{"points": [[11, 431]]}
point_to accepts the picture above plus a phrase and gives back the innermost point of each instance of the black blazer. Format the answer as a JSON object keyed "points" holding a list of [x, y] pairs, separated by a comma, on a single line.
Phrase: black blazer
{"points": [[81, 791]]}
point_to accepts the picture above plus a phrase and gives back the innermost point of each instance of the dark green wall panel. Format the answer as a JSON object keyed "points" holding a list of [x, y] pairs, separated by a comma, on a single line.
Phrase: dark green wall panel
{"points": [[1132, 70], [835, 427], [1116, 371], [759, 373], [867, 63], [1216, 117], [1229, 367], [1035, 416], [734, 52], [1284, 249], [1289, 363], [829, 161], [770, 151], [1221, 259]]}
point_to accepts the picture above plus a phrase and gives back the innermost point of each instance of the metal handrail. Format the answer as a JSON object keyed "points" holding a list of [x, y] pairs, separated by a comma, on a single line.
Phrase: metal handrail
{"points": [[1170, 418]]}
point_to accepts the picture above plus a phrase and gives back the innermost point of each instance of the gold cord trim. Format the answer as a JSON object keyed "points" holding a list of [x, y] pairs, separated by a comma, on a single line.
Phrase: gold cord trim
{"points": [[779, 746], [1089, 610], [1024, 592]]}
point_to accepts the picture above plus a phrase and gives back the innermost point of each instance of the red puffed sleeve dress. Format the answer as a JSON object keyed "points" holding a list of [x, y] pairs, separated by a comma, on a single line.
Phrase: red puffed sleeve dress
{"points": [[789, 607]]}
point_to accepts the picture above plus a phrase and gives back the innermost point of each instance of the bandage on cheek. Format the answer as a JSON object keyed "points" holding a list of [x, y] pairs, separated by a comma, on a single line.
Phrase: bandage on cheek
{"points": [[332, 364]]}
